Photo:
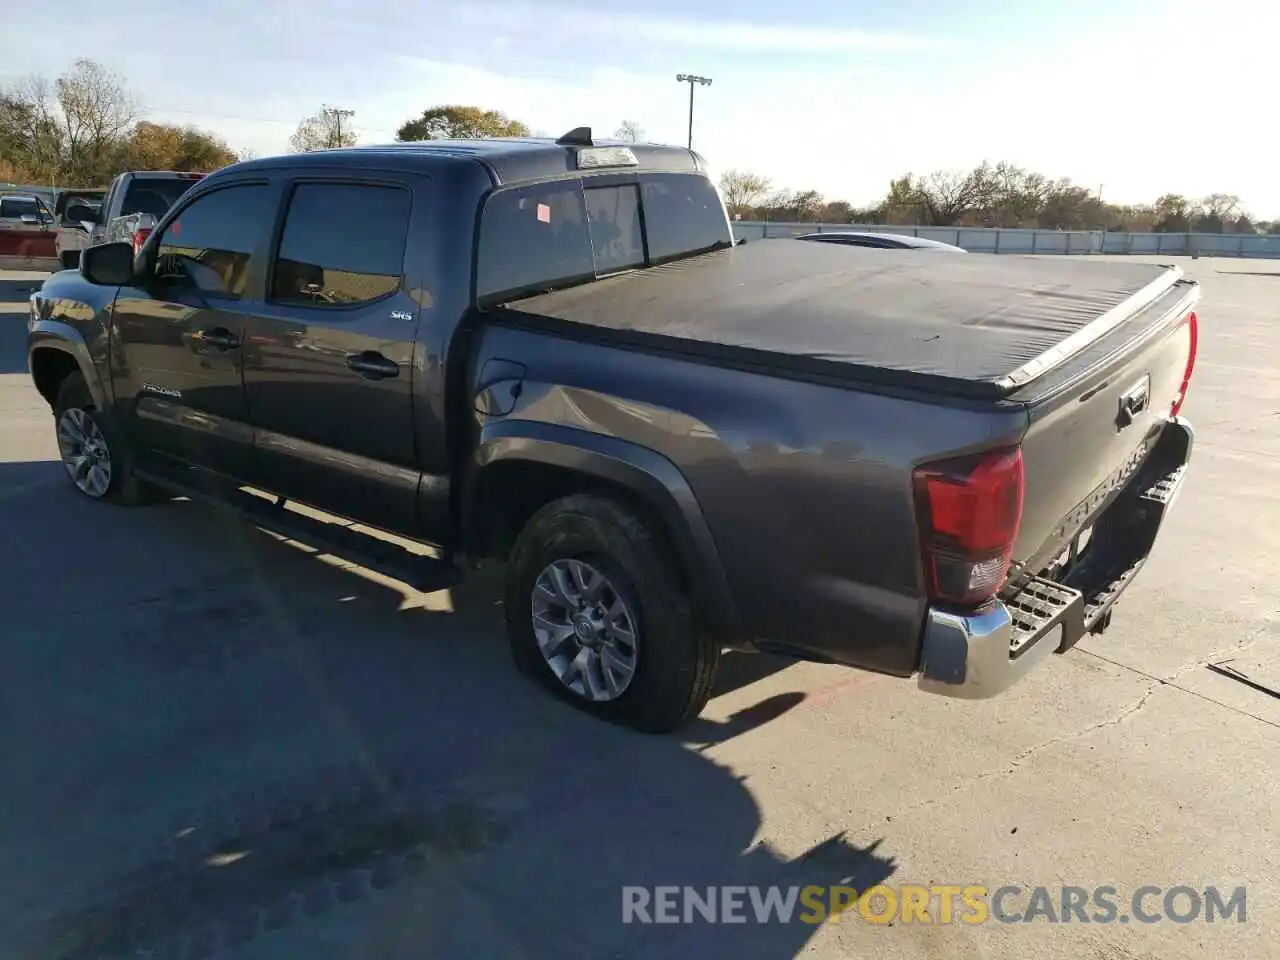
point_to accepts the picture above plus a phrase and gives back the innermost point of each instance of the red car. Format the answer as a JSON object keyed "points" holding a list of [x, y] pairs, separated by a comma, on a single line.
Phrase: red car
{"points": [[27, 236]]}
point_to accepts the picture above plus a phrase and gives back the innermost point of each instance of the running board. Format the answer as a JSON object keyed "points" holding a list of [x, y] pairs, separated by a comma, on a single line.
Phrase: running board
{"points": [[425, 574]]}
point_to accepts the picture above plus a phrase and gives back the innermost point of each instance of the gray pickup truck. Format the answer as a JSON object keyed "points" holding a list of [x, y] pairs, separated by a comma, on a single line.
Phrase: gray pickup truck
{"points": [[133, 205], [553, 354]]}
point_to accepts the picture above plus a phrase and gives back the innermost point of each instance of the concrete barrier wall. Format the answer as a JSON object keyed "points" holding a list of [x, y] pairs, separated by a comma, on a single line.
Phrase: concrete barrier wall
{"points": [[1009, 240]]}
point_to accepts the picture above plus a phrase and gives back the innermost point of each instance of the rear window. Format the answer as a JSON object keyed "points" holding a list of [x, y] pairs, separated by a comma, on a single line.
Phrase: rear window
{"points": [[548, 235], [154, 195], [683, 215]]}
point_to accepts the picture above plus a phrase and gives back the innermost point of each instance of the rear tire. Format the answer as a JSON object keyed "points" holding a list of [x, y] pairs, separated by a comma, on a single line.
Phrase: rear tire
{"points": [[94, 452], [673, 661]]}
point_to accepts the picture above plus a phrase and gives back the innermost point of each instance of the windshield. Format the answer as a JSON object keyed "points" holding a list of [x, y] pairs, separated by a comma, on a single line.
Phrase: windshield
{"points": [[153, 195], [548, 235], [19, 207]]}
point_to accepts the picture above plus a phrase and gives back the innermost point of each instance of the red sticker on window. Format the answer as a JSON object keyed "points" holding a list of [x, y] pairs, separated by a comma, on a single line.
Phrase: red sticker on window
{"points": [[175, 228], [544, 213]]}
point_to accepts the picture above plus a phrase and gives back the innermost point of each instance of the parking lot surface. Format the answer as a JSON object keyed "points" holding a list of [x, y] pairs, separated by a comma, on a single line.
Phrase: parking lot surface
{"points": [[220, 743]]}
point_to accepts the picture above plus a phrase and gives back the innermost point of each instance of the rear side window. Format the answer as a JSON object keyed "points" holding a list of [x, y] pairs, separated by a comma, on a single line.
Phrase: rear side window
{"points": [[343, 244], [153, 195], [683, 215], [209, 246], [533, 237]]}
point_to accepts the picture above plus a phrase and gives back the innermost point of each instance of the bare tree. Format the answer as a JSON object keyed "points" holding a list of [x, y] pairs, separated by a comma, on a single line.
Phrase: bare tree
{"points": [[69, 129], [947, 195], [741, 190], [629, 130], [325, 130], [95, 111]]}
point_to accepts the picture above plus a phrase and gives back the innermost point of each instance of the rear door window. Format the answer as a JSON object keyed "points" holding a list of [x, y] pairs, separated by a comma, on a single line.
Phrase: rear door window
{"points": [[343, 244]]}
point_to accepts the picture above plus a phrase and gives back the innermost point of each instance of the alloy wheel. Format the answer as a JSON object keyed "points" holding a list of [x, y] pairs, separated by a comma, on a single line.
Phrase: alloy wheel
{"points": [[85, 453], [585, 629]]}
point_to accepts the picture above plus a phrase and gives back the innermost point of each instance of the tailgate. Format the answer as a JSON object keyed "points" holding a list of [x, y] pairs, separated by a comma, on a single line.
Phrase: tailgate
{"points": [[1093, 422]]}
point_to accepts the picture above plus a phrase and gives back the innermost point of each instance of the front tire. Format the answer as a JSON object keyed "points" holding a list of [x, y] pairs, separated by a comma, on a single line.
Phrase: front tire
{"points": [[93, 452], [595, 612]]}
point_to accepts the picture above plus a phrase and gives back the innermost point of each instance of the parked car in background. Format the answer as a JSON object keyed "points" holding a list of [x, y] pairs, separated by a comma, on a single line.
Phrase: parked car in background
{"points": [[76, 212], [26, 233], [135, 203], [882, 241]]}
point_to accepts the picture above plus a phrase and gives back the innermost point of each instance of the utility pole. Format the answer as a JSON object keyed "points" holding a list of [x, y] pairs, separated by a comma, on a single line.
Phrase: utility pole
{"points": [[337, 115], [691, 80]]}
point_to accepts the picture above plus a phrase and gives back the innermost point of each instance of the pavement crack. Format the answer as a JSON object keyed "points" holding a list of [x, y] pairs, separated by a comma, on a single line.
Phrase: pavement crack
{"points": [[1012, 765], [1240, 644], [1119, 718]]}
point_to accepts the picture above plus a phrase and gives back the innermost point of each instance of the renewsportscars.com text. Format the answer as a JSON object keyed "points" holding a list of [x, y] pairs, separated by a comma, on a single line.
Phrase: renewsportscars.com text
{"points": [[933, 904]]}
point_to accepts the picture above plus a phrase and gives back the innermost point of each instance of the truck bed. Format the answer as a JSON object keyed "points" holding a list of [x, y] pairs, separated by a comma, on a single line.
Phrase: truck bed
{"points": [[977, 326]]}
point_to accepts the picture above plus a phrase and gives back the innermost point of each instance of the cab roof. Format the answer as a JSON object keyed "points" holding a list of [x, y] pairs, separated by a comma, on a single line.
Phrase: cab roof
{"points": [[507, 159]]}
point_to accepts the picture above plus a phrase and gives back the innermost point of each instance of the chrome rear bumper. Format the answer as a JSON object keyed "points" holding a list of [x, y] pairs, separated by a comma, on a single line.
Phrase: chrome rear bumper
{"points": [[980, 654]]}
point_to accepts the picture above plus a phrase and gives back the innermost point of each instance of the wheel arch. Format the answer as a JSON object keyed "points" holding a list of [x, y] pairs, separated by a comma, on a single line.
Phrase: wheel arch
{"points": [[54, 351], [519, 466]]}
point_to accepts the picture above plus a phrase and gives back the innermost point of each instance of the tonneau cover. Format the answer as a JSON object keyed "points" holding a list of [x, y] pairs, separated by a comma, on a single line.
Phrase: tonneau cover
{"points": [[973, 325]]}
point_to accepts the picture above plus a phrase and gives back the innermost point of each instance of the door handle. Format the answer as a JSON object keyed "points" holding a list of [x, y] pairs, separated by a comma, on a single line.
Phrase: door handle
{"points": [[220, 338], [372, 365], [1133, 402]]}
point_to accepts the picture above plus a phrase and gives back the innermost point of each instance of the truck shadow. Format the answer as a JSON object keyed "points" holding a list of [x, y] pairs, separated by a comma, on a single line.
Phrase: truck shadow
{"points": [[216, 734]]}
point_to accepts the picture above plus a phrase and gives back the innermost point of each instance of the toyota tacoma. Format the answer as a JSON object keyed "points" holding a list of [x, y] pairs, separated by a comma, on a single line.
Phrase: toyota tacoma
{"points": [[552, 354]]}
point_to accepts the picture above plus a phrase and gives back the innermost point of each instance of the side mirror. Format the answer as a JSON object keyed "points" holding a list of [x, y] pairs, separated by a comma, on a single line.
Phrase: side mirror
{"points": [[108, 265], [80, 213]]}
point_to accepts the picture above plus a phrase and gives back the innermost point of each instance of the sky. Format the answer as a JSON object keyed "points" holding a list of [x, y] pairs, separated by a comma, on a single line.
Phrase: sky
{"points": [[1132, 97]]}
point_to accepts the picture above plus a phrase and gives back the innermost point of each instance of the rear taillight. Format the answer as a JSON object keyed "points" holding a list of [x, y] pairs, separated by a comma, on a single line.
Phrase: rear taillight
{"points": [[1193, 323], [969, 510], [139, 238]]}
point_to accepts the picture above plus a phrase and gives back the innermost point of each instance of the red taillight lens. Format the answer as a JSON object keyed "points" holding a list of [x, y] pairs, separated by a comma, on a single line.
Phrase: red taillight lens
{"points": [[969, 510], [139, 238], [1193, 322]]}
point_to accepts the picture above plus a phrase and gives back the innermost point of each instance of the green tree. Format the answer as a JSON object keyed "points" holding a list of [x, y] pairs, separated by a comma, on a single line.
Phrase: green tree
{"points": [[460, 123], [1173, 214], [159, 146]]}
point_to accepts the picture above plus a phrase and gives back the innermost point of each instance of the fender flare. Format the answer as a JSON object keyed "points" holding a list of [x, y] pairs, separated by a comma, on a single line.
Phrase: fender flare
{"points": [[56, 335], [651, 477]]}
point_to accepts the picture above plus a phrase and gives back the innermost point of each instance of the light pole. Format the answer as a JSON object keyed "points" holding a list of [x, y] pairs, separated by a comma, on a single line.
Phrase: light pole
{"points": [[691, 80], [337, 113]]}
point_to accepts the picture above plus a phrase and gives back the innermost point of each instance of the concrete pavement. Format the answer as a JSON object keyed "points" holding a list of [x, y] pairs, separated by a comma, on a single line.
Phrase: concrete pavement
{"points": [[220, 743]]}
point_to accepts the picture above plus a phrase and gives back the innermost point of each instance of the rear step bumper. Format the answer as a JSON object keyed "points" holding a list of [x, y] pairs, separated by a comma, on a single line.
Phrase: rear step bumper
{"points": [[977, 655]]}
